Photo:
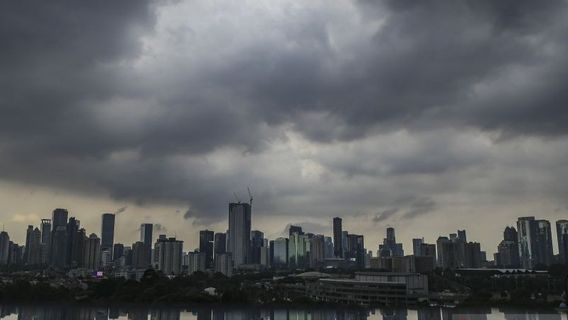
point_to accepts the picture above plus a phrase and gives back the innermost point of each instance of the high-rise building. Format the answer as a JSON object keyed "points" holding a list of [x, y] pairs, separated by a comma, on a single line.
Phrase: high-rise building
{"points": [[295, 229], [220, 245], [329, 250], [146, 237], [58, 249], [356, 249], [280, 253], [447, 253], [107, 231], [73, 257], [33, 249], [206, 238], [170, 255], [526, 229], [224, 264], [118, 251], [45, 240], [196, 262], [239, 232], [472, 256], [4, 248], [337, 237], [27, 246], [544, 243], [417, 246], [140, 256], [390, 248], [298, 249], [317, 251], [508, 250], [562, 237], [535, 242], [92, 252], [257, 243]]}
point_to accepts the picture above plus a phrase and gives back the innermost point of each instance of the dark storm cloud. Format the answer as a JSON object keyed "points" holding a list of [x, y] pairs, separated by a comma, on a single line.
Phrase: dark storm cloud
{"points": [[90, 103], [384, 215]]}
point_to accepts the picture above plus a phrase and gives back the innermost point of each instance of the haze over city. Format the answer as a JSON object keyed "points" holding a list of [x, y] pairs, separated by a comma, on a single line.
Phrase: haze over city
{"points": [[424, 116]]}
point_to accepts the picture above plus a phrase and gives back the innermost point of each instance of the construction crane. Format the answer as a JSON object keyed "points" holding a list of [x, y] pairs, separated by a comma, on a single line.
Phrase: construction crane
{"points": [[250, 196]]}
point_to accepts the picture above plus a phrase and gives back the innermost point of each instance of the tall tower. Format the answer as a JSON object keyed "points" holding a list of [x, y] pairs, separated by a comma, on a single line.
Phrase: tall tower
{"points": [[206, 238], [59, 250], [107, 231], [526, 231], [239, 232], [337, 237], [146, 230], [562, 235]]}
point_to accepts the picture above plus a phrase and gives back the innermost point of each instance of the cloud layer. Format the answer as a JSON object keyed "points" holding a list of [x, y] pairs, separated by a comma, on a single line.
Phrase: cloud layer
{"points": [[385, 110]]}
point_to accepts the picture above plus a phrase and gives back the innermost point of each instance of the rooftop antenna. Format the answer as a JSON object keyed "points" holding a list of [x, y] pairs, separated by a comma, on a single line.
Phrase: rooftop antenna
{"points": [[250, 196]]}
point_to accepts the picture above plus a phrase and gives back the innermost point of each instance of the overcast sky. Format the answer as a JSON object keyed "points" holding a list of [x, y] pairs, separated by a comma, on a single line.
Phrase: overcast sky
{"points": [[423, 115]]}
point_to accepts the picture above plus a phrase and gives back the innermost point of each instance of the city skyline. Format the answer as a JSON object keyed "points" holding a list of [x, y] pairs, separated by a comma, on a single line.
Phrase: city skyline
{"points": [[425, 117]]}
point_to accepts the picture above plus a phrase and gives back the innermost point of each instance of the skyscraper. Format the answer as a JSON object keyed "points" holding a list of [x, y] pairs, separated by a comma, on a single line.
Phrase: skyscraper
{"points": [[562, 236], [317, 251], [45, 240], [295, 229], [337, 237], [206, 238], [27, 246], [298, 248], [239, 232], [220, 245], [544, 243], [146, 230], [170, 256], [92, 252], [508, 249], [390, 248], [107, 231], [4, 248], [59, 251], [257, 243], [280, 253], [526, 229], [535, 242], [33, 249]]}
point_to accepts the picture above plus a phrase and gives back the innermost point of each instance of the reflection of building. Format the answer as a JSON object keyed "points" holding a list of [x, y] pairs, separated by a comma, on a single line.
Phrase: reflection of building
{"points": [[370, 288], [394, 314], [165, 314]]}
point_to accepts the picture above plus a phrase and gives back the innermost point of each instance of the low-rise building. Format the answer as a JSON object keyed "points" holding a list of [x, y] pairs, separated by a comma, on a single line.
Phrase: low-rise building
{"points": [[372, 288]]}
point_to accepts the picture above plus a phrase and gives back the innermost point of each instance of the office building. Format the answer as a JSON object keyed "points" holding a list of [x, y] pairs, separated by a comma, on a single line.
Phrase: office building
{"points": [[562, 238], [206, 238], [337, 237], [508, 250], [196, 262], [295, 229], [390, 248], [356, 249], [117, 251], [4, 248], [92, 252], [146, 237], [140, 258], [298, 248], [257, 243], [107, 231], [33, 247], [280, 253], [170, 255], [58, 250], [544, 243], [239, 232], [535, 242], [224, 264], [317, 251]]}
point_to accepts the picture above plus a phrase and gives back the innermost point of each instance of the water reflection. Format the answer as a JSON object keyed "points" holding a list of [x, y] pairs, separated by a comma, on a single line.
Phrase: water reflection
{"points": [[59, 312]]}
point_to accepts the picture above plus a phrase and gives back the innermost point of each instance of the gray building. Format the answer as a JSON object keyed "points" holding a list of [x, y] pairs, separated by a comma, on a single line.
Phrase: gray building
{"points": [[170, 253], [562, 237], [206, 244], [280, 253], [107, 231], [4, 248], [92, 260], [337, 237], [535, 242], [146, 237], [239, 232]]}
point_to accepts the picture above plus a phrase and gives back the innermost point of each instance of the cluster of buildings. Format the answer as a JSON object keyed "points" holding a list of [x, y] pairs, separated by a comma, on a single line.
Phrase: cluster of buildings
{"points": [[62, 244]]}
